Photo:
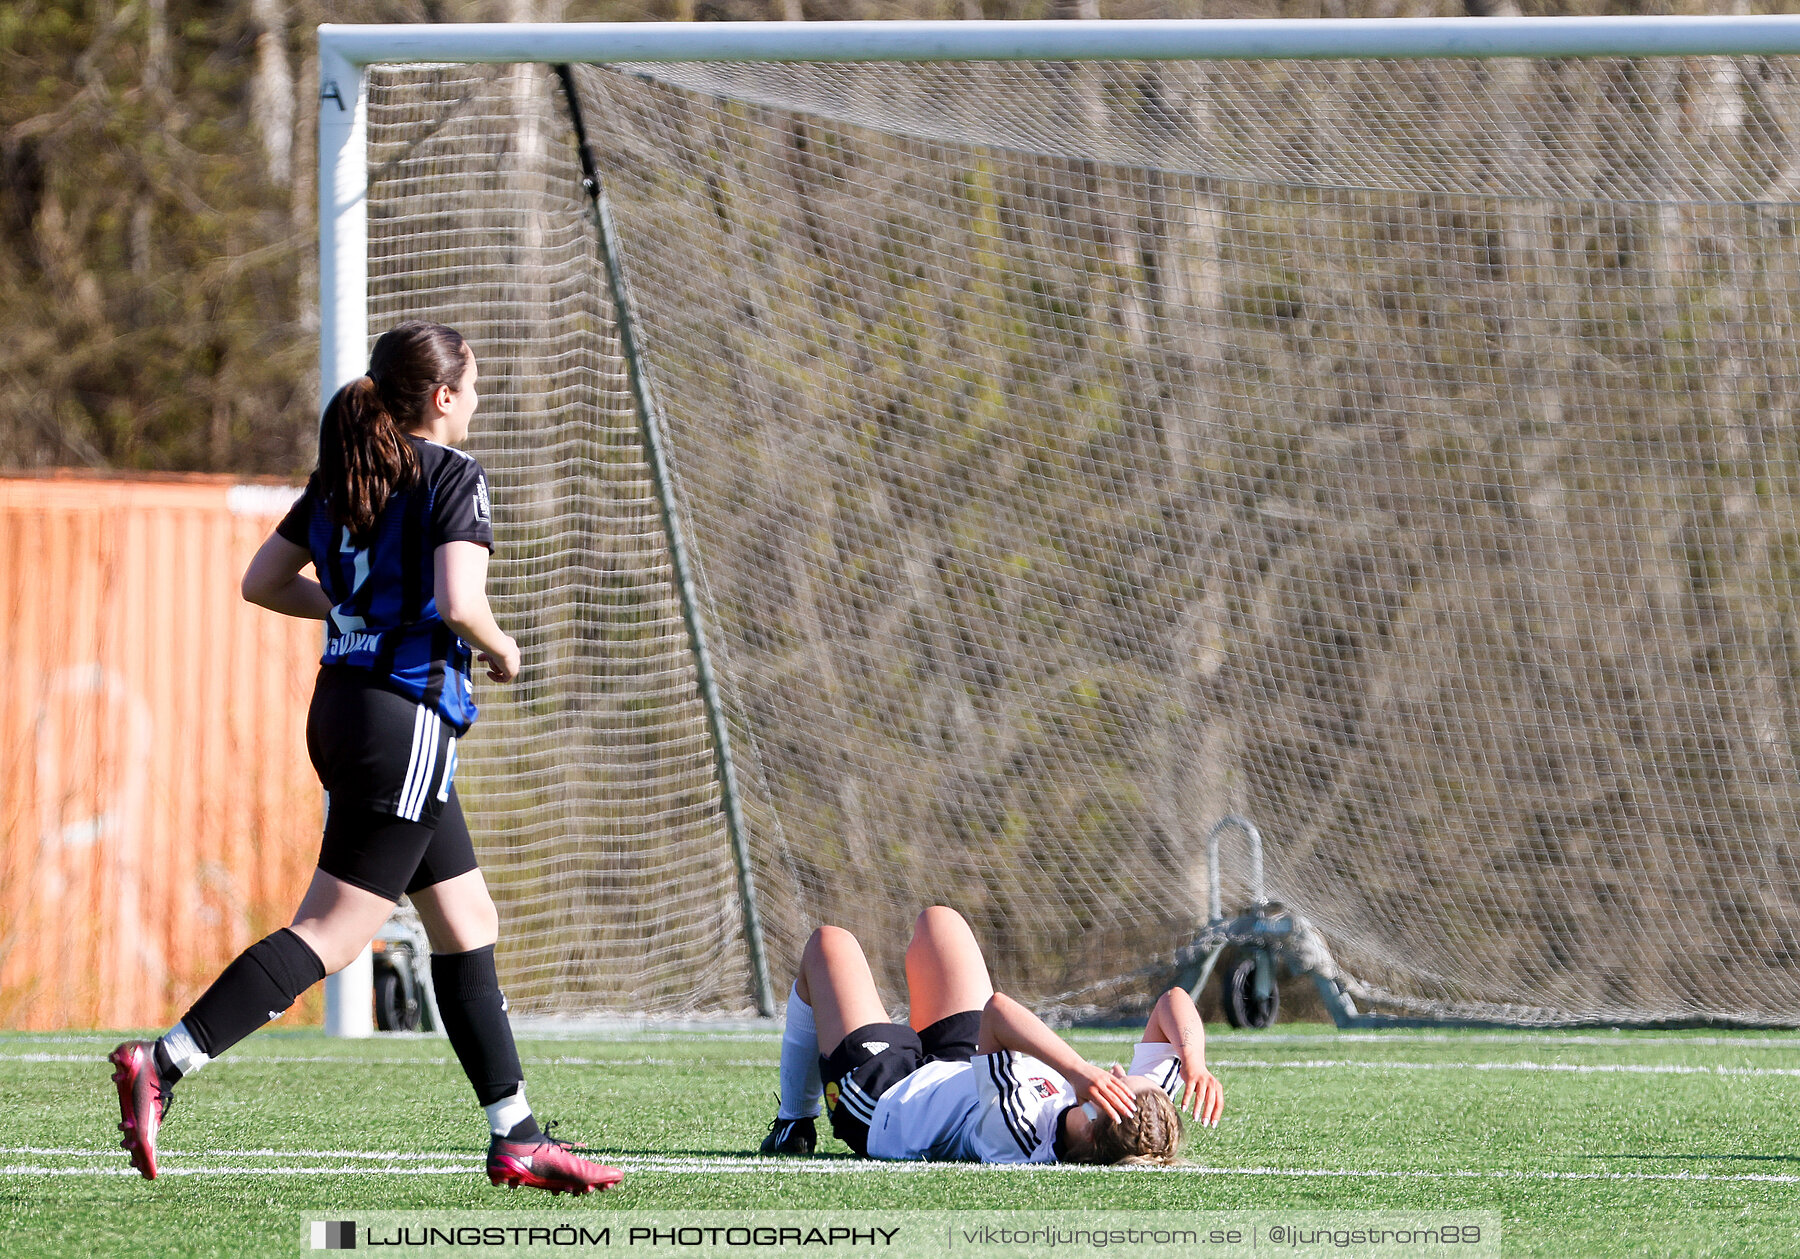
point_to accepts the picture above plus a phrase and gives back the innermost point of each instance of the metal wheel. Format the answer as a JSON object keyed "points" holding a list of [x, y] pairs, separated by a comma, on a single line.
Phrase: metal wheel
{"points": [[396, 993], [1244, 1007]]}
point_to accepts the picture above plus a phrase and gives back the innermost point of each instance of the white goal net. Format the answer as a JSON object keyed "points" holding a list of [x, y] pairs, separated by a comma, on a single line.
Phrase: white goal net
{"points": [[1401, 454]]}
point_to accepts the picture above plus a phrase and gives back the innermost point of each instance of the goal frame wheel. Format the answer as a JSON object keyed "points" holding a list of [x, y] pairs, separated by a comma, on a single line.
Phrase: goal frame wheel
{"points": [[397, 1004], [1251, 998]]}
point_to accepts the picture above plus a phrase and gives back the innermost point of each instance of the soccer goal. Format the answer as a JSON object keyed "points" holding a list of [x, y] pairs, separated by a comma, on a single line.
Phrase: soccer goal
{"points": [[963, 462]]}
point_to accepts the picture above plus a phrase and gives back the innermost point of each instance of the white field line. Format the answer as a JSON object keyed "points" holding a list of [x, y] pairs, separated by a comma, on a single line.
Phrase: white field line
{"points": [[1222, 1039], [28, 1170], [1574, 1068], [1744, 1040], [251, 1060], [1262, 1064], [527, 1028], [760, 1166], [1220, 1036], [442, 1156]]}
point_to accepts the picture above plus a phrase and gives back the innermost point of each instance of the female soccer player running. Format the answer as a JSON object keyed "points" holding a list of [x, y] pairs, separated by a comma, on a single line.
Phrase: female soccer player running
{"points": [[396, 523], [977, 1076]]}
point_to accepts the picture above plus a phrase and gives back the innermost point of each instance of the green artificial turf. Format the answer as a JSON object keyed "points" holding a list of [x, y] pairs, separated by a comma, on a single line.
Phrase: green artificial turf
{"points": [[1596, 1143]]}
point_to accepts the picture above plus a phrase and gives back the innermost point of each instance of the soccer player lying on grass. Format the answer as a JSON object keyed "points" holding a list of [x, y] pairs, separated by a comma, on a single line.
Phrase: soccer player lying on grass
{"points": [[977, 1077]]}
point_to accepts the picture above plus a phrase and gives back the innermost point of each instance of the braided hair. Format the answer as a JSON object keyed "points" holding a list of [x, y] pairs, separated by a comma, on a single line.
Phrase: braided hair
{"points": [[1149, 1136]]}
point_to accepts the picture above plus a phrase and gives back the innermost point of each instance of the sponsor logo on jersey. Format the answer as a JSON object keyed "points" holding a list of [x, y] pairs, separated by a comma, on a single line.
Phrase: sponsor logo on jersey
{"points": [[483, 508], [348, 643]]}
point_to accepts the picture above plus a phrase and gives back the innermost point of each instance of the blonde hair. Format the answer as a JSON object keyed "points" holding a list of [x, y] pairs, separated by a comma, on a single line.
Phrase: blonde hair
{"points": [[1149, 1136]]}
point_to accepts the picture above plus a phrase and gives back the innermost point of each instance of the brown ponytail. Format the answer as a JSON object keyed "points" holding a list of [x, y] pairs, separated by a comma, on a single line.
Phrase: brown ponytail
{"points": [[364, 457]]}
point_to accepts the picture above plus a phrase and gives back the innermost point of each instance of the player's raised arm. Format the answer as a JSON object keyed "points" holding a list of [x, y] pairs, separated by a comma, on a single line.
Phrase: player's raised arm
{"points": [[1005, 1024], [1174, 1021]]}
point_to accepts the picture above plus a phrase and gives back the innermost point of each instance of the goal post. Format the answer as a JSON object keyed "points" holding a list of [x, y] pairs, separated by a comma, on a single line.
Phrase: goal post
{"points": [[1383, 430]]}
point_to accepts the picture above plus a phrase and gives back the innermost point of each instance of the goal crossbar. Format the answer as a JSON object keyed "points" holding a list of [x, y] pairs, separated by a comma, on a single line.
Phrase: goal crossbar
{"points": [[1160, 40], [346, 49]]}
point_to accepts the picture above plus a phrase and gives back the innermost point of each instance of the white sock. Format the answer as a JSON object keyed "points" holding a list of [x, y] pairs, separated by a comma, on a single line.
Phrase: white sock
{"points": [[507, 1113], [800, 1084], [179, 1044]]}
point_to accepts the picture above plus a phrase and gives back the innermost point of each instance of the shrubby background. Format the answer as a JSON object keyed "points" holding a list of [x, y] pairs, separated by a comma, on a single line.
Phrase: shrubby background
{"points": [[1053, 502], [157, 205]]}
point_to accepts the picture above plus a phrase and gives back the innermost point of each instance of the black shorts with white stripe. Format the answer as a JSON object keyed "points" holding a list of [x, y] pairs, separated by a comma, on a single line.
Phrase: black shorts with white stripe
{"points": [[873, 1059], [378, 751], [392, 820]]}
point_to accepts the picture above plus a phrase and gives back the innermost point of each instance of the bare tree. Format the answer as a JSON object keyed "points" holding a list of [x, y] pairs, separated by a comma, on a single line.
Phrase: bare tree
{"points": [[272, 89]]}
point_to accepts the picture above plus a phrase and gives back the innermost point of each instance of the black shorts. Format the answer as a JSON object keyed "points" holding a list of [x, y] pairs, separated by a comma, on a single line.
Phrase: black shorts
{"points": [[377, 750], [387, 855], [393, 823], [871, 1060]]}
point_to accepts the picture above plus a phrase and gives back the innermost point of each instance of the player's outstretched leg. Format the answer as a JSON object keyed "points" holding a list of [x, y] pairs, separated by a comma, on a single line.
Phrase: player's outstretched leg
{"points": [[262, 982], [462, 923]]}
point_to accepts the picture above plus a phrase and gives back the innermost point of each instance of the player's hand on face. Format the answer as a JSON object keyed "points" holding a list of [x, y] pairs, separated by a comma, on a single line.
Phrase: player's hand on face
{"points": [[1203, 1098], [503, 667], [1108, 1091]]}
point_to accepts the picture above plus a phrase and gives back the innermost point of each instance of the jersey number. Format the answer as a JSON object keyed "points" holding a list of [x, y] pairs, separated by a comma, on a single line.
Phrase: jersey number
{"points": [[346, 624]]}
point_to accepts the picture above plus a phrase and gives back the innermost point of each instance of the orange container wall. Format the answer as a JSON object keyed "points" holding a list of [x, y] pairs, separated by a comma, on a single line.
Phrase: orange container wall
{"points": [[157, 810]]}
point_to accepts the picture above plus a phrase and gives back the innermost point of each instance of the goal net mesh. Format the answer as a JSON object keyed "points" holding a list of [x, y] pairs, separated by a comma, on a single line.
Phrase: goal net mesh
{"points": [[1400, 454]]}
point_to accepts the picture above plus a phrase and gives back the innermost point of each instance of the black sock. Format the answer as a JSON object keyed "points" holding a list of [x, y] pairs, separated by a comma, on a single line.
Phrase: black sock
{"points": [[261, 984], [525, 1129], [474, 1013]]}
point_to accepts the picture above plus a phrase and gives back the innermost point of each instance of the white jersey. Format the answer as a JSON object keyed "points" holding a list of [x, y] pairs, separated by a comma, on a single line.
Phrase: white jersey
{"points": [[995, 1108]]}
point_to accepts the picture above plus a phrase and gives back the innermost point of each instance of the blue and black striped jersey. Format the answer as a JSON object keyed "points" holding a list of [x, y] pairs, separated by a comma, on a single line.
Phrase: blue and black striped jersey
{"points": [[385, 617]]}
